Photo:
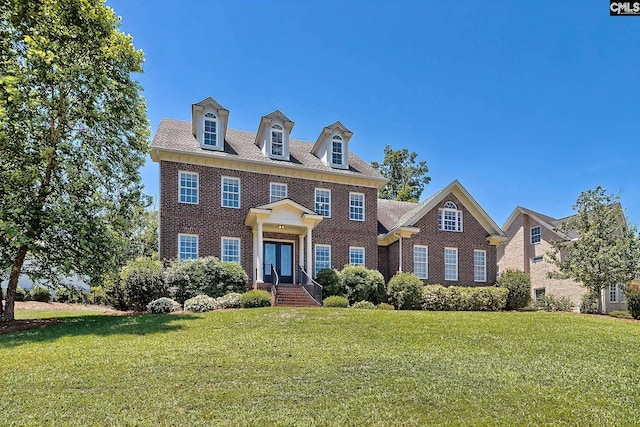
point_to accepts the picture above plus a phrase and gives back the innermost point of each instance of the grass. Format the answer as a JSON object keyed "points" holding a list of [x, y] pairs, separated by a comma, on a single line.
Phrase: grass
{"points": [[280, 366]]}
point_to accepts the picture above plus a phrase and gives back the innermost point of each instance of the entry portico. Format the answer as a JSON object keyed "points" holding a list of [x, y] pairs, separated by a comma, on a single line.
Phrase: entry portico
{"points": [[282, 216]]}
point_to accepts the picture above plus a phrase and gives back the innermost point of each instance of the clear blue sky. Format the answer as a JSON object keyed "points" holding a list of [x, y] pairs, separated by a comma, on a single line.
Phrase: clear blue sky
{"points": [[526, 103]]}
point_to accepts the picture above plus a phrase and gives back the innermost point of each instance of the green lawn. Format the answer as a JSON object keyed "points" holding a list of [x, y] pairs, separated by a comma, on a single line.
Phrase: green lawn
{"points": [[280, 366]]}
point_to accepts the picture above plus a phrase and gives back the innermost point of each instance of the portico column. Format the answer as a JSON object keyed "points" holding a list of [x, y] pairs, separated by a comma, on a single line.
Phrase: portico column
{"points": [[259, 261], [309, 257], [300, 252], [255, 255]]}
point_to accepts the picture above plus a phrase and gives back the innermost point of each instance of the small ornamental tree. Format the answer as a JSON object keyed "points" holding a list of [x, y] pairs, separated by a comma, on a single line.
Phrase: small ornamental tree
{"points": [[405, 291], [519, 285]]}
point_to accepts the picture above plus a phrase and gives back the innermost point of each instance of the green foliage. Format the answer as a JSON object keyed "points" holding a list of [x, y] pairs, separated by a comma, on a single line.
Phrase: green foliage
{"points": [[143, 282], [329, 278], [458, 298], [40, 293], [621, 314], [200, 304], [62, 295], [364, 305], [360, 284], [97, 295], [163, 305], [336, 301], [405, 291], [385, 306], [21, 294], [255, 299], [519, 285], [230, 300], [633, 300], [406, 178], [553, 303], [589, 303]]}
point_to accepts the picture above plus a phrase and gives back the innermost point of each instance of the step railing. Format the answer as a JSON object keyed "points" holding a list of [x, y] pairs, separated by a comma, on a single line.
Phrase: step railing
{"points": [[313, 288], [275, 283]]}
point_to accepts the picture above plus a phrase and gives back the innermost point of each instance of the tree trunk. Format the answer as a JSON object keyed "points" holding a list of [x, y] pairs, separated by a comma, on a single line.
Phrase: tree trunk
{"points": [[8, 312]]}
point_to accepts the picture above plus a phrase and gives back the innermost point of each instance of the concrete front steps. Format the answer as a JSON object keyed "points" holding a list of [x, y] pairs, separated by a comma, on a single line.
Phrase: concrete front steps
{"points": [[294, 296]]}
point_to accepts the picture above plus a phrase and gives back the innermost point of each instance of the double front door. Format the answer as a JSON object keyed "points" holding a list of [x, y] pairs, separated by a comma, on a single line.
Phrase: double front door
{"points": [[278, 256]]}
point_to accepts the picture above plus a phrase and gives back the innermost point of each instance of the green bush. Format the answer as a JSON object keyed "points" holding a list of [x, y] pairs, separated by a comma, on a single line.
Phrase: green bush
{"points": [[519, 285], [458, 298], [385, 306], [329, 278], [40, 293], [621, 314], [230, 300], [336, 301], [163, 305], [255, 299], [589, 303], [200, 304], [62, 295], [405, 291], [362, 284], [552, 303], [143, 282], [364, 305], [633, 300], [21, 294], [97, 295]]}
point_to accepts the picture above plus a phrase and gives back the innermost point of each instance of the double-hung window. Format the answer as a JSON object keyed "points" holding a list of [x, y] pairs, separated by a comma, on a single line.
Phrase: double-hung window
{"points": [[230, 192], [451, 264], [323, 202], [356, 255], [188, 187], [187, 246], [337, 150], [356, 206], [450, 218], [479, 265], [421, 261], [536, 233], [277, 141], [230, 249], [323, 257], [210, 130], [277, 191], [614, 294]]}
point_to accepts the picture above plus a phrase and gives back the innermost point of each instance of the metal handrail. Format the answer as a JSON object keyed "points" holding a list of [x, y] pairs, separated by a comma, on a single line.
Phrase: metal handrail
{"points": [[276, 282], [311, 287]]}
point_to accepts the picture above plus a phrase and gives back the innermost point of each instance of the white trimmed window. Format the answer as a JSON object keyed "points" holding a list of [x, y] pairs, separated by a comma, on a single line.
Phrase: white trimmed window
{"points": [[323, 257], [323, 202], [230, 249], [277, 191], [614, 294], [451, 264], [337, 150], [536, 233], [356, 206], [537, 258], [421, 261], [539, 294], [187, 246], [356, 255], [188, 187], [479, 265], [450, 218], [210, 130], [230, 192], [277, 141]]}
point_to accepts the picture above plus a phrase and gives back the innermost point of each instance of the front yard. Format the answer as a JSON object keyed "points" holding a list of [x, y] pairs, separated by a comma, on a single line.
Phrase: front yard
{"points": [[283, 366]]}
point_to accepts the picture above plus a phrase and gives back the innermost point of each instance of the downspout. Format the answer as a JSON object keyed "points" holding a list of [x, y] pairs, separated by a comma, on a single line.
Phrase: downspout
{"points": [[400, 256]]}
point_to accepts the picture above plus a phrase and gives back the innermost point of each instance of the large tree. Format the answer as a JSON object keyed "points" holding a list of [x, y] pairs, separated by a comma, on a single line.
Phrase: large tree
{"points": [[407, 178], [73, 136], [606, 251]]}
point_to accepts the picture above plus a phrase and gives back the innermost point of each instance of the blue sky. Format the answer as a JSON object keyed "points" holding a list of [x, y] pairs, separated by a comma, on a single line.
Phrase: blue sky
{"points": [[526, 103]]}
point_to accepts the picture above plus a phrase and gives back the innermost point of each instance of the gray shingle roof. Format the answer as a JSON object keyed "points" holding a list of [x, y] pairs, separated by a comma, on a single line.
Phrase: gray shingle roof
{"points": [[390, 211], [175, 135]]}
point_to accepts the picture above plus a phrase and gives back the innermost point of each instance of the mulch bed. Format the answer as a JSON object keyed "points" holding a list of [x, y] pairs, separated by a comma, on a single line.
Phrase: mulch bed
{"points": [[25, 325]]}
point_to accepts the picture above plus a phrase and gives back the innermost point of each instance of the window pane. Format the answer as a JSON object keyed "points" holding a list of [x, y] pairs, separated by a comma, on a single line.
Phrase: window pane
{"points": [[356, 256], [231, 192], [479, 266], [188, 191], [356, 207], [187, 247], [535, 234], [231, 250], [336, 153], [323, 202], [278, 192], [420, 262], [450, 264], [323, 257]]}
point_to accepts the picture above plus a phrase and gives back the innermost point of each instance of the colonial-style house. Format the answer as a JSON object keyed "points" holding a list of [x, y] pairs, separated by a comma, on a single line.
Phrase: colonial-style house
{"points": [[285, 208]]}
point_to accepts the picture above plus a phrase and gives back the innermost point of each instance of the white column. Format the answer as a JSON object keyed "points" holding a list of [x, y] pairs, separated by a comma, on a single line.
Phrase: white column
{"points": [[309, 255], [300, 252], [260, 255], [400, 256], [255, 255]]}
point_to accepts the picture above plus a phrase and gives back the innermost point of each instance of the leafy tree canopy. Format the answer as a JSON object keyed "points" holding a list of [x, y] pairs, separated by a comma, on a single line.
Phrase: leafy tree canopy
{"points": [[407, 178]]}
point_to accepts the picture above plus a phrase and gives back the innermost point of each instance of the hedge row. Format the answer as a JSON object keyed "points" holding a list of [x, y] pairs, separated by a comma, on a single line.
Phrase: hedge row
{"points": [[458, 298]]}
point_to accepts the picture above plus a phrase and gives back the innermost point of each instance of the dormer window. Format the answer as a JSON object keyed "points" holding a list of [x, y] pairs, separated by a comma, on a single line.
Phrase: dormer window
{"points": [[277, 141], [450, 218], [337, 150], [210, 130]]}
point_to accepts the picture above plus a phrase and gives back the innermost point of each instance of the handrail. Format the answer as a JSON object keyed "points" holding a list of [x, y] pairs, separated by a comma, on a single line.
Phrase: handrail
{"points": [[275, 283], [311, 287]]}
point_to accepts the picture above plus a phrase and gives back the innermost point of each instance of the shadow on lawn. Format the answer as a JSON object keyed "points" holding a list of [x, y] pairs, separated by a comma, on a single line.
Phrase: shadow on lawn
{"points": [[101, 325]]}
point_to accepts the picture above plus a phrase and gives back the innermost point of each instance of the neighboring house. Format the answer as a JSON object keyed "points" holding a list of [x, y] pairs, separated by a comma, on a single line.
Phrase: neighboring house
{"points": [[530, 236], [266, 200]]}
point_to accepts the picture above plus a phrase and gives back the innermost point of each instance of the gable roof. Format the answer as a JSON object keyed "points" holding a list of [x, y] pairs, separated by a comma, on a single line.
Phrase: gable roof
{"points": [[328, 130], [390, 212]]}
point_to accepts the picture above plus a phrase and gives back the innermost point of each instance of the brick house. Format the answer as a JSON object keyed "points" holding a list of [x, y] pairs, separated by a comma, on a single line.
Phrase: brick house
{"points": [[530, 235], [271, 202]]}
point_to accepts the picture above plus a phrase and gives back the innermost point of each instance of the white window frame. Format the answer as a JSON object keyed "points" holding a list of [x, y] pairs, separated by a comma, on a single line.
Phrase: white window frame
{"points": [[315, 257], [483, 277], [538, 258], [225, 257], [351, 252], [180, 187], [424, 265], [455, 250], [222, 192], [209, 117], [328, 203], [197, 239], [538, 234], [351, 195], [337, 139], [271, 192], [614, 294], [539, 293], [276, 128], [450, 208]]}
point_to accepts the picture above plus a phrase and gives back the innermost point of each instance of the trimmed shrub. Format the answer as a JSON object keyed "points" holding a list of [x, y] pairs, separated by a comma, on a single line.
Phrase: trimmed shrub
{"points": [[255, 299], [589, 303], [364, 305], [230, 300], [362, 284], [621, 314], [163, 305], [405, 291], [519, 285], [633, 300], [62, 295], [233, 279], [40, 293], [21, 294], [143, 282], [458, 298], [200, 304], [385, 306], [551, 303], [336, 301], [329, 278]]}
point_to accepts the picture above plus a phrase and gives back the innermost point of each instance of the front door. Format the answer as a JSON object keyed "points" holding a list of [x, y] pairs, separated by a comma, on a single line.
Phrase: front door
{"points": [[280, 256]]}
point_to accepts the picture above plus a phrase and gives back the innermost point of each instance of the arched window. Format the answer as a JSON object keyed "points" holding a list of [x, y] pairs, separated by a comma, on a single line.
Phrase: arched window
{"points": [[450, 205], [210, 130], [450, 218], [277, 138], [337, 150]]}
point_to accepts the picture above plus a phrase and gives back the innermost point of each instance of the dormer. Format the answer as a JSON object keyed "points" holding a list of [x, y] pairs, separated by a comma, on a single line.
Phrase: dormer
{"points": [[273, 135], [332, 146], [209, 124]]}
